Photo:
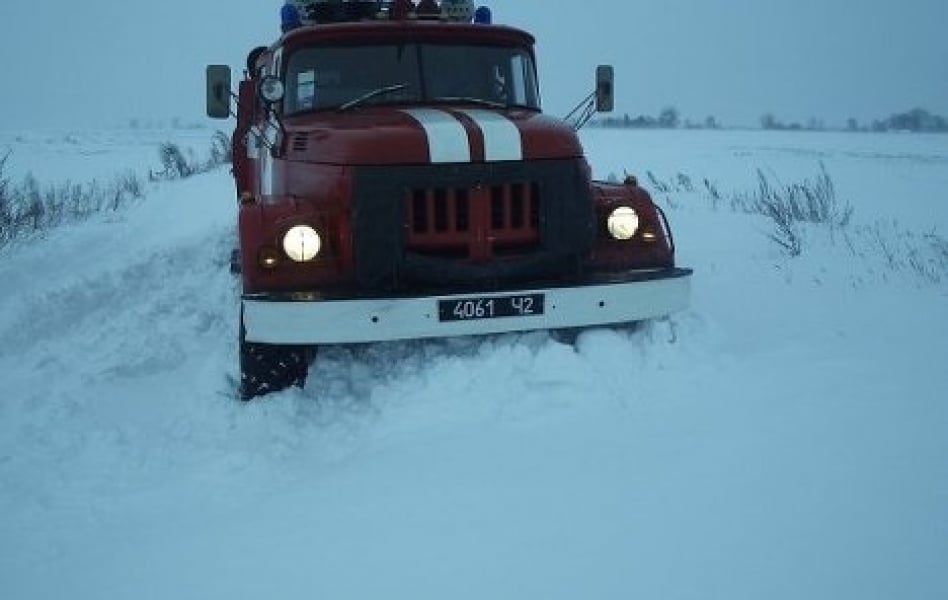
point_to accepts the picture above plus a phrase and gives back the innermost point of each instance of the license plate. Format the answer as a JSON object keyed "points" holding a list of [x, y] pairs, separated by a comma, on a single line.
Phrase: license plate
{"points": [[468, 309]]}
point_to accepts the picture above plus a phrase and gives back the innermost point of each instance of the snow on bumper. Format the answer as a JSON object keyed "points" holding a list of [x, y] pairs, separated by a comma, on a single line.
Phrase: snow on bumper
{"points": [[301, 321]]}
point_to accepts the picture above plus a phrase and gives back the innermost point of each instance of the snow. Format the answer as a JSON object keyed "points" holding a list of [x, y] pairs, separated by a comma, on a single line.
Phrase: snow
{"points": [[785, 437], [86, 155]]}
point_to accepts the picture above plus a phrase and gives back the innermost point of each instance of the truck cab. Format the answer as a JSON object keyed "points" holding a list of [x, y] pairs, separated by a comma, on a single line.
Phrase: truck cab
{"points": [[397, 178]]}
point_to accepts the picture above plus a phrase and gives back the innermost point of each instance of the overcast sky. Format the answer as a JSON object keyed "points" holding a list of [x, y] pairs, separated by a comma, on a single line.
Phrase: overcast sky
{"points": [[103, 62]]}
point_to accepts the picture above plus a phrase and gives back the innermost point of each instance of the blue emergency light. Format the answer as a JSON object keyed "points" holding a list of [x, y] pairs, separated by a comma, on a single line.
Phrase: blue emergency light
{"points": [[482, 16], [290, 17]]}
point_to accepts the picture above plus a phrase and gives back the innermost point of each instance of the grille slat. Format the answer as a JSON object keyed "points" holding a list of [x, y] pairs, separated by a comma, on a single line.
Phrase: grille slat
{"points": [[497, 207], [515, 207], [441, 210], [418, 212], [429, 210], [463, 210]]}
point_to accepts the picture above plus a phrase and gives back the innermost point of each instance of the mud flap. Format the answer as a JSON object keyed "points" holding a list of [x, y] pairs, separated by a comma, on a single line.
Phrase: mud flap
{"points": [[266, 368]]}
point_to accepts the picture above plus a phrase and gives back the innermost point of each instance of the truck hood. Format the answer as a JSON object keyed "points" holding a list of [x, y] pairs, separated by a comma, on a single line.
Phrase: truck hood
{"points": [[389, 136]]}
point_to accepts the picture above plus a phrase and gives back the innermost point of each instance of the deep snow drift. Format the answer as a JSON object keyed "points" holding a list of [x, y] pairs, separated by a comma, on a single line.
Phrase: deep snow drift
{"points": [[786, 437]]}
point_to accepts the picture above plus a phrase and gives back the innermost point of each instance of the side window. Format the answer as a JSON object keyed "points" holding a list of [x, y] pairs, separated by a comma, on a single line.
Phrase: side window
{"points": [[499, 84], [518, 69]]}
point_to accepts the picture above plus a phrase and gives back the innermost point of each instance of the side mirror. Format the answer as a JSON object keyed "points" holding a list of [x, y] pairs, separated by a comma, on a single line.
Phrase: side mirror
{"points": [[605, 91], [218, 91]]}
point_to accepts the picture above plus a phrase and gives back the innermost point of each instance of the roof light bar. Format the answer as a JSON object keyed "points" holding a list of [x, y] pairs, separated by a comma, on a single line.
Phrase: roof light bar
{"points": [[297, 13]]}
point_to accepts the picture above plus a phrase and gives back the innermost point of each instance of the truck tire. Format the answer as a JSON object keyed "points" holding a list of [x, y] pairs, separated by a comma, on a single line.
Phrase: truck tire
{"points": [[266, 368]]}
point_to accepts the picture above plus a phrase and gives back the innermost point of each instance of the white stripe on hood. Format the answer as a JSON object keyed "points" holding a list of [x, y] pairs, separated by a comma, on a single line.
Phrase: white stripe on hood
{"points": [[502, 139], [447, 139]]}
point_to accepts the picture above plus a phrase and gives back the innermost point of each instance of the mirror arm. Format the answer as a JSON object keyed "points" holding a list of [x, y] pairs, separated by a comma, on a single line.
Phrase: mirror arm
{"points": [[236, 107], [282, 128], [583, 112], [273, 117]]}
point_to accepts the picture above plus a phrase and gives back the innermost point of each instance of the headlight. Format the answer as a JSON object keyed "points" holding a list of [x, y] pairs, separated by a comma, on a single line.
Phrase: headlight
{"points": [[301, 243], [623, 223]]}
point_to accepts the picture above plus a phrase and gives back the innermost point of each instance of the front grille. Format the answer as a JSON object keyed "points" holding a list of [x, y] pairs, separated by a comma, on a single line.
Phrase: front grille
{"points": [[457, 227], [480, 223]]}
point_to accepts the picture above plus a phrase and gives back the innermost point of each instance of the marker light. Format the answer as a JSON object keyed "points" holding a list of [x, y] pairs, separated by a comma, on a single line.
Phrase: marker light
{"points": [[301, 243], [483, 16], [268, 257], [623, 223]]}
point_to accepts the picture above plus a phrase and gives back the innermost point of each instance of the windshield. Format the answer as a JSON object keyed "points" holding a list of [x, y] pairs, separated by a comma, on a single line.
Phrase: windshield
{"points": [[333, 77]]}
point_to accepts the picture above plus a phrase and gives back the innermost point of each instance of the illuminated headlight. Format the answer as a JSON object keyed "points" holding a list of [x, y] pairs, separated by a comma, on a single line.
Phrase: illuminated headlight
{"points": [[302, 243], [623, 223]]}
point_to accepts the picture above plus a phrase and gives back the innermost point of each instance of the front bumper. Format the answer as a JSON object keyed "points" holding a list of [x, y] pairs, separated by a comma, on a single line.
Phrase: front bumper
{"points": [[297, 319]]}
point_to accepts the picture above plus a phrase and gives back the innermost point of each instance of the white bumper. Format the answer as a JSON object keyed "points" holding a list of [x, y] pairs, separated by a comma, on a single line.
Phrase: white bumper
{"points": [[273, 321]]}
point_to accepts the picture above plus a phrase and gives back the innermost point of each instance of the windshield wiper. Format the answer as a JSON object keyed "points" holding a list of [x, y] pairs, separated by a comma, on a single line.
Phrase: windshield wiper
{"points": [[470, 100], [388, 89]]}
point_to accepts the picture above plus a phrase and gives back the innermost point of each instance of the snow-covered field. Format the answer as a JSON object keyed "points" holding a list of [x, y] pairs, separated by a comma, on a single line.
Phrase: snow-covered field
{"points": [[82, 156], [786, 437]]}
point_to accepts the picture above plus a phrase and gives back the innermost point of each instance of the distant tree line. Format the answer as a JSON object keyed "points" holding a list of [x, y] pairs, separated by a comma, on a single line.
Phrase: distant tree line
{"points": [[771, 122], [668, 118], [917, 120]]}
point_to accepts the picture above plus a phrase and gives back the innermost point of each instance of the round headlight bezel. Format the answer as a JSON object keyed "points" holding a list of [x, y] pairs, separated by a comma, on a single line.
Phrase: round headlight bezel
{"points": [[302, 243], [623, 223]]}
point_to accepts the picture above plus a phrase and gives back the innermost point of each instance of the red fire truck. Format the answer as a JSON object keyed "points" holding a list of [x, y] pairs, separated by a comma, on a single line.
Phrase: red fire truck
{"points": [[396, 179]]}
